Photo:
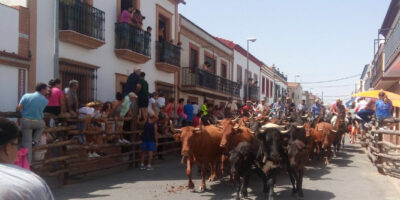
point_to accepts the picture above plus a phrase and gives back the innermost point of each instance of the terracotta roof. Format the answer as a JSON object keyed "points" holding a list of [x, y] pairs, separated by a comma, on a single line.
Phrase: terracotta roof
{"points": [[240, 49]]}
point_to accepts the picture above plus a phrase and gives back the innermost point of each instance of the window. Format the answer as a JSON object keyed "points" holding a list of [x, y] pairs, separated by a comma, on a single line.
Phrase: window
{"points": [[194, 99], [164, 24], [247, 76], [267, 88], [166, 89], [263, 85], [224, 70], [255, 78], [271, 84], [239, 74], [194, 58], [85, 76], [209, 58]]}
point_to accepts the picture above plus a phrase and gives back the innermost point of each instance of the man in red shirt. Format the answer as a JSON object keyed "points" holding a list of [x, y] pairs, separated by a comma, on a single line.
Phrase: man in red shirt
{"points": [[247, 109]]}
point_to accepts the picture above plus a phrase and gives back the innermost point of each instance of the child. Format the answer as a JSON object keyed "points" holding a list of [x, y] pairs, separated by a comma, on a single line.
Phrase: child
{"points": [[149, 142]]}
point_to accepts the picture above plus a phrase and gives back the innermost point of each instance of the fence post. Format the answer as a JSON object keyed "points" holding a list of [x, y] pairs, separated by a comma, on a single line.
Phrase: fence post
{"points": [[379, 160]]}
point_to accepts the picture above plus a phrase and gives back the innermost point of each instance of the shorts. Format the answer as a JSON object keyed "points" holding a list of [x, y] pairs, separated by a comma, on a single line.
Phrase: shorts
{"points": [[55, 110], [143, 101], [148, 146]]}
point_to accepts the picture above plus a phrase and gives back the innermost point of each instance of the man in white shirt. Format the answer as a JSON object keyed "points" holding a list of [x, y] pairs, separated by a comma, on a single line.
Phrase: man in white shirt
{"points": [[231, 108], [160, 102], [17, 183], [261, 107], [196, 108], [152, 107]]}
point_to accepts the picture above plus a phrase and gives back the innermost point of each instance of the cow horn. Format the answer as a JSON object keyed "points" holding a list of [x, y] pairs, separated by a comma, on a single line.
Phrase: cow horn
{"points": [[264, 159], [285, 131], [236, 127], [305, 116], [197, 129], [261, 130], [220, 126], [334, 131], [300, 126], [251, 131], [219, 121], [234, 120]]}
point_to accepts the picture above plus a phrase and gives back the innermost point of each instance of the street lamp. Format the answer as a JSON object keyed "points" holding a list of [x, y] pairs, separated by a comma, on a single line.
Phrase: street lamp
{"points": [[295, 76], [248, 71]]}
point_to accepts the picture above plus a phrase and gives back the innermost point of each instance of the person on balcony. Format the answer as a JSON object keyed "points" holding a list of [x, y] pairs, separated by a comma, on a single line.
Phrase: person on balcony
{"points": [[147, 39], [137, 18]]}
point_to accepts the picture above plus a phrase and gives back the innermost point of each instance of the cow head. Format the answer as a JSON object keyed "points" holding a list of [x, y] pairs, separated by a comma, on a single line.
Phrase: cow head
{"points": [[271, 143], [297, 153], [228, 129], [186, 137], [239, 158], [330, 136]]}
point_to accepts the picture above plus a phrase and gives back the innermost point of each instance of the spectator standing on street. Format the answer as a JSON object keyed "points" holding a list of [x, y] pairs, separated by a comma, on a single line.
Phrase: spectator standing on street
{"points": [[17, 183], [231, 108], [160, 102], [188, 110], [261, 108], [55, 98], [149, 142], [152, 108], [196, 108], [71, 97], [143, 97], [31, 107], [204, 108], [180, 113]]}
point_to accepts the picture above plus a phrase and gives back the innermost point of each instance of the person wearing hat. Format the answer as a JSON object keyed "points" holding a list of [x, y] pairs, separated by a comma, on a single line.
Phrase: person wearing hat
{"points": [[339, 111], [278, 106], [290, 106], [248, 108], [261, 108]]}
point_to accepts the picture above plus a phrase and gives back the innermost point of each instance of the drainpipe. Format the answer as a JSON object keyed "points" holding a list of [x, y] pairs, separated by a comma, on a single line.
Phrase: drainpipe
{"points": [[56, 47]]}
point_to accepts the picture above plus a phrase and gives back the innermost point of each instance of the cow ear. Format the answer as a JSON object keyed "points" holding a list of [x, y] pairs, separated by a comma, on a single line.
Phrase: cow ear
{"points": [[177, 137]]}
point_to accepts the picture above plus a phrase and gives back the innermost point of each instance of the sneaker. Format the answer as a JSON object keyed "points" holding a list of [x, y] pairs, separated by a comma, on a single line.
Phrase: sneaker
{"points": [[125, 141], [142, 167], [90, 155], [149, 168], [95, 155], [120, 141]]}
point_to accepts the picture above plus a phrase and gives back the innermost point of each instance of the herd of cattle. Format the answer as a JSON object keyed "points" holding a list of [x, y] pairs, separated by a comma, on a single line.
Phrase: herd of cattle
{"points": [[261, 145]]}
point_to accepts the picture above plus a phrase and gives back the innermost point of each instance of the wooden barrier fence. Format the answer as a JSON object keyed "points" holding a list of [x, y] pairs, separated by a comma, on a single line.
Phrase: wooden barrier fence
{"points": [[66, 157], [384, 155]]}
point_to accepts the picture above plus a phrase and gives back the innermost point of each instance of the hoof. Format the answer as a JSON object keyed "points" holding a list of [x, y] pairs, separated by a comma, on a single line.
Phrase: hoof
{"points": [[210, 179], [202, 188], [190, 186]]}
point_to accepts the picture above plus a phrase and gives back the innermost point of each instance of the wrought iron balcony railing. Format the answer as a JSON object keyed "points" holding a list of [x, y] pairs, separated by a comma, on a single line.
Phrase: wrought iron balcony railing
{"points": [[133, 38], [200, 78], [253, 92], [168, 53], [82, 18]]}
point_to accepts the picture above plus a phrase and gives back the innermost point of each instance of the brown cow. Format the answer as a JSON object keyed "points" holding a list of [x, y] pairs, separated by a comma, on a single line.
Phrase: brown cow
{"points": [[323, 136], [202, 148]]}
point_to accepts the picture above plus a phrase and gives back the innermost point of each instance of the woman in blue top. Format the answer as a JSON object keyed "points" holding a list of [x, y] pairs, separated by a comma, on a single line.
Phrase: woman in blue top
{"points": [[383, 107]]}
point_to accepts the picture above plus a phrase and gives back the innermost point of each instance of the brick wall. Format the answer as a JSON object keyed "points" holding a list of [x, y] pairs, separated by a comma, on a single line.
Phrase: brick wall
{"points": [[23, 40]]}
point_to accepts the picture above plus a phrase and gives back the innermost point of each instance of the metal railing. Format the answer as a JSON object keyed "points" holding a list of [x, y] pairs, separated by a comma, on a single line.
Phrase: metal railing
{"points": [[377, 72], [201, 78], [82, 18], [392, 44], [168, 53], [253, 92], [133, 38]]}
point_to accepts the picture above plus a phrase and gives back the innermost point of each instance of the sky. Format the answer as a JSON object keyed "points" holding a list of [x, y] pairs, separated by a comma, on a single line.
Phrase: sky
{"points": [[317, 39]]}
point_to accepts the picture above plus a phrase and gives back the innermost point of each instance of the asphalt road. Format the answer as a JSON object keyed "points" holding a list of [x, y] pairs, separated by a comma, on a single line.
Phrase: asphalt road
{"points": [[350, 176]]}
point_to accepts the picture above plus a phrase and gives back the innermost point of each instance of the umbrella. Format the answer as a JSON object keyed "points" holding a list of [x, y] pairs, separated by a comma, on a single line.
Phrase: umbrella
{"points": [[375, 94]]}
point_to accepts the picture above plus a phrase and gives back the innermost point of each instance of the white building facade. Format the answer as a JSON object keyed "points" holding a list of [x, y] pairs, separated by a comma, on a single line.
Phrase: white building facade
{"points": [[14, 55], [99, 52]]}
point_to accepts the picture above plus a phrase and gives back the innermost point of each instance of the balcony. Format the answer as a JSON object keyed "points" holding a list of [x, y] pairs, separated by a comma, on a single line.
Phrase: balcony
{"points": [[201, 82], [132, 43], [253, 93], [81, 24], [392, 45], [168, 57]]}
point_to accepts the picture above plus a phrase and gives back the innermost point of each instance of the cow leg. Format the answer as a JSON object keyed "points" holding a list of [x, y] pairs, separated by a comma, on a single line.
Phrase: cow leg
{"points": [[189, 173], [213, 175], [270, 185], [300, 183], [202, 187], [245, 185], [327, 155], [238, 186], [292, 179]]}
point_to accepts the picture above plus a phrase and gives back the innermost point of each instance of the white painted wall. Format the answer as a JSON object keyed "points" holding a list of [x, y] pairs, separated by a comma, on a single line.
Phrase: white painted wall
{"points": [[9, 88], [241, 60], [9, 23], [104, 57], [267, 73], [45, 40]]}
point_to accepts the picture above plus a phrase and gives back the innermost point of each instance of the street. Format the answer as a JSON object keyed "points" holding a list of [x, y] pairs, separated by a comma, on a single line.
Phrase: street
{"points": [[350, 176]]}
